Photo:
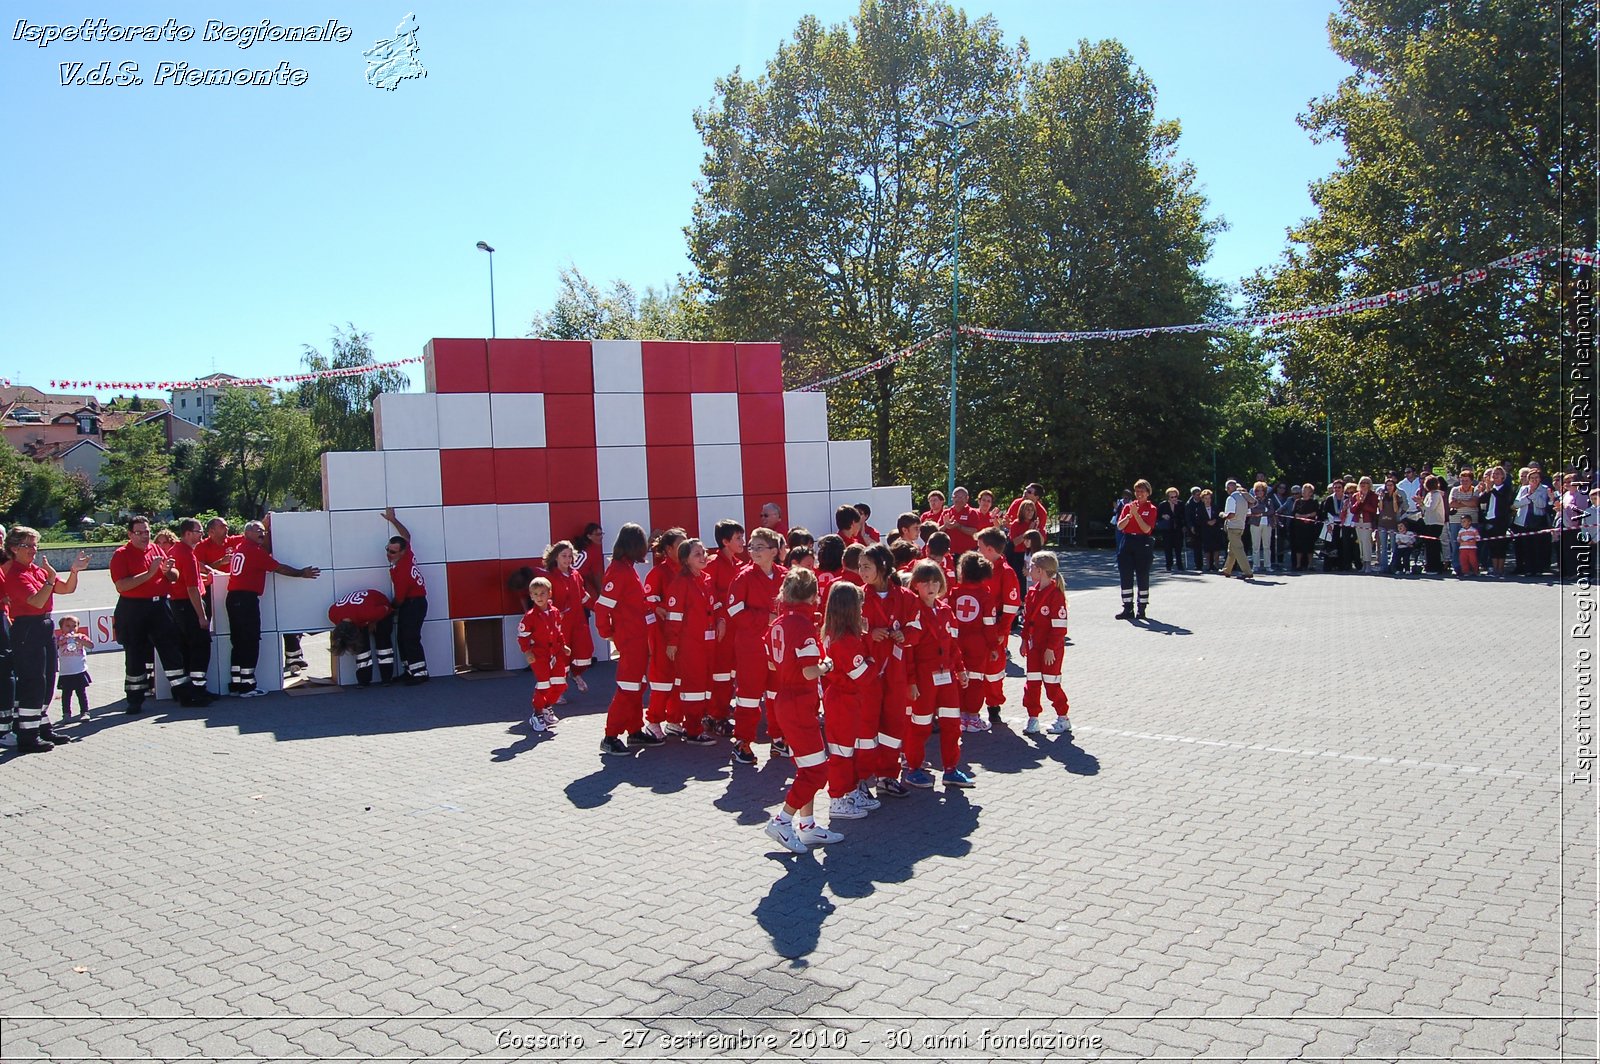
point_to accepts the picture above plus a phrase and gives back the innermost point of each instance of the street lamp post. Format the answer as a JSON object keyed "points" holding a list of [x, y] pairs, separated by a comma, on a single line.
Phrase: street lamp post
{"points": [[955, 124], [482, 246]]}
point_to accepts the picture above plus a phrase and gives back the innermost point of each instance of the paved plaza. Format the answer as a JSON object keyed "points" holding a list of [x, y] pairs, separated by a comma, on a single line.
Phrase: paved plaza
{"points": [[1317, 817]]}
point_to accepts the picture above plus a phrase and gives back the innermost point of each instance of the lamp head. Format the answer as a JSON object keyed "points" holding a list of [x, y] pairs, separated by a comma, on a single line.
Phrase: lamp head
{"points": [[483, 246]]}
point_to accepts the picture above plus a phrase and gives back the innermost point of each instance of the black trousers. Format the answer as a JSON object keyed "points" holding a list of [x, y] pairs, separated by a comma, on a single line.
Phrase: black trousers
{"points": [[1172, 542], [408, 621], [33, 656], [379, 638], [244, 622], [194, 642], [1133, 567], [144, 628], [8, 683]]}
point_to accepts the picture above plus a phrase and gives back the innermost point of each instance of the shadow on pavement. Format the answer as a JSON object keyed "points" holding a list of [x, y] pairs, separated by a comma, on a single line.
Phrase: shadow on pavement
{"points": [[664, 769], [1006, 750], [883, 848]]}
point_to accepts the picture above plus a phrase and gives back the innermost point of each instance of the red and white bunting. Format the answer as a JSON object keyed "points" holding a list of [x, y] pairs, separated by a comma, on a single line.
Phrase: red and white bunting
{"points": [[245, 382], [1576, 256]]}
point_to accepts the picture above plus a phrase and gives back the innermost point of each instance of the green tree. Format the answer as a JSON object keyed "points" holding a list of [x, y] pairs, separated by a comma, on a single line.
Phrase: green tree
{"points": [[821, 219], [199, 476], [136, 476], [583, 312], [11, 476], [1466, 128], [268, 449], [341, 407]]}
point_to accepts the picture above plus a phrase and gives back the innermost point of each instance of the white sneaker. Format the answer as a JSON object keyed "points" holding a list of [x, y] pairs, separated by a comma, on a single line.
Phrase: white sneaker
{"points": [[536, 722], [657, 731], [817, 835], [581, 684], [9, 739], [550, 719], [1032, 727], [673, 729], [979, 724], [1060, 727], [845, 808], [785, 834], [864, 798], [254, 692]]}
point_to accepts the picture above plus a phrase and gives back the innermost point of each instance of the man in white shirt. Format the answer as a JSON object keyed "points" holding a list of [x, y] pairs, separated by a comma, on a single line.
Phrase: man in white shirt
{"points": [[1236, 513], [1412, 484]]}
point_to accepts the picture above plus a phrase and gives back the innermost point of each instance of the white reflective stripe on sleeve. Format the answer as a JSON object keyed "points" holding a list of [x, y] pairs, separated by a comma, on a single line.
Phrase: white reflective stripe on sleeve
{"points": [[855, 674], [970, 676], [1033, 677], [624, 685], [694, 696], [835, 750], [722, 677], [747, 703], [1056, 679], [606, 601], [811, 760], [558, 681], [995, 677], [1010, 608], [654, 686], [888, 741], [542, 685], [1058, 623], [989, 621], [810, 650], [735, 609], [584, 662], [674, 616], [948, 712], [866, 744], [915, 719]]}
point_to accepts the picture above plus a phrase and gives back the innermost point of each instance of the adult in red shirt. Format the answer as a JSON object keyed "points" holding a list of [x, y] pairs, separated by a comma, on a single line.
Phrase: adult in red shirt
{"points": [[961, 522], [212, 555], [621, 615], [589, 560], [249, 566], [1137, 522], [362, 621], [750, 607], [410, 600], [189, 610], [935, 510], [31, 585], [1041, 513], [143, 620], [772, 517]]}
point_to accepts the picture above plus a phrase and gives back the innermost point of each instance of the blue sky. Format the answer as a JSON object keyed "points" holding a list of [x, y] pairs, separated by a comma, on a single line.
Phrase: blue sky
{"points": [[163, 232]]}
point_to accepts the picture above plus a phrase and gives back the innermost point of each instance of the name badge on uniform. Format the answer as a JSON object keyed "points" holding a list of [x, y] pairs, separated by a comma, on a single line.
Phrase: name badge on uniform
{"points": [[711, 635], [942, 678]]}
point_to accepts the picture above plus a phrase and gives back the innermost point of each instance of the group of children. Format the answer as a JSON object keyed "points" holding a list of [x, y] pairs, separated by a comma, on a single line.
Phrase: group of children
{"points": [[853, 648]]}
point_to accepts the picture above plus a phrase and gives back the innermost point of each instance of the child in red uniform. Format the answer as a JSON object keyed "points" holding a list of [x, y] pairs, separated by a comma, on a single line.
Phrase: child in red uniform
{"points": [[851, 676], [802, 558], [567, 598], [904, 555], [1008, 601], [621, 615], [939, 551], [691, 632], [852, 563], [541, 637], [830, 567], [868, 535], [663, 708], [750, 608], [797, 664], [731, 557], [1044, 637], [894, 626], [972, 600], [936, 679]]}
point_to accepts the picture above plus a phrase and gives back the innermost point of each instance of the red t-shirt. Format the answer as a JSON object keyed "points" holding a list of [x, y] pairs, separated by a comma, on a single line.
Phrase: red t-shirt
{"points": [[1041, 516], [792, 648], [208, 553], [129, 560], [360, 607], [188, 569], [407, 577], [250, 565], [960, 542], [21, 583], [1147, 514]]}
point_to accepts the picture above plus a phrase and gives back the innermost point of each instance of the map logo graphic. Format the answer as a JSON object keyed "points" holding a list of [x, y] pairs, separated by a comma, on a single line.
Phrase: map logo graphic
{"points": [[392, 61]]}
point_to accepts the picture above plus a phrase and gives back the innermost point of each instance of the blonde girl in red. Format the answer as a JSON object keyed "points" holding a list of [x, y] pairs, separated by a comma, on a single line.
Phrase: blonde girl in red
{"points": [[544, 647], [663, 709], [1044, 637], [894, 627], [851, 676], [796, 660], [569, 596], [937, 677], [692, 630]]}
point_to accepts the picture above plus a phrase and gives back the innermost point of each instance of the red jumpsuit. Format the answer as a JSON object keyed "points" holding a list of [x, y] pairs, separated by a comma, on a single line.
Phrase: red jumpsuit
{"points": [[975, 611], [723, 569], [792, 648], [936, 664], [1008, 602], [883, 723], [567, 596], [842, 709], [621, 616], [540, 636], [750, 608], [1044, 627], [663, 672], [691, 628]]}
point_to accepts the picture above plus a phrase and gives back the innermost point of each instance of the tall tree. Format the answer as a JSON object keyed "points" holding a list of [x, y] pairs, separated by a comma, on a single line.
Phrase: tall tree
{"points": [[1461, 123], [582, 311], [268, 448], [136, 476], [341, 407], [821, 215]]}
